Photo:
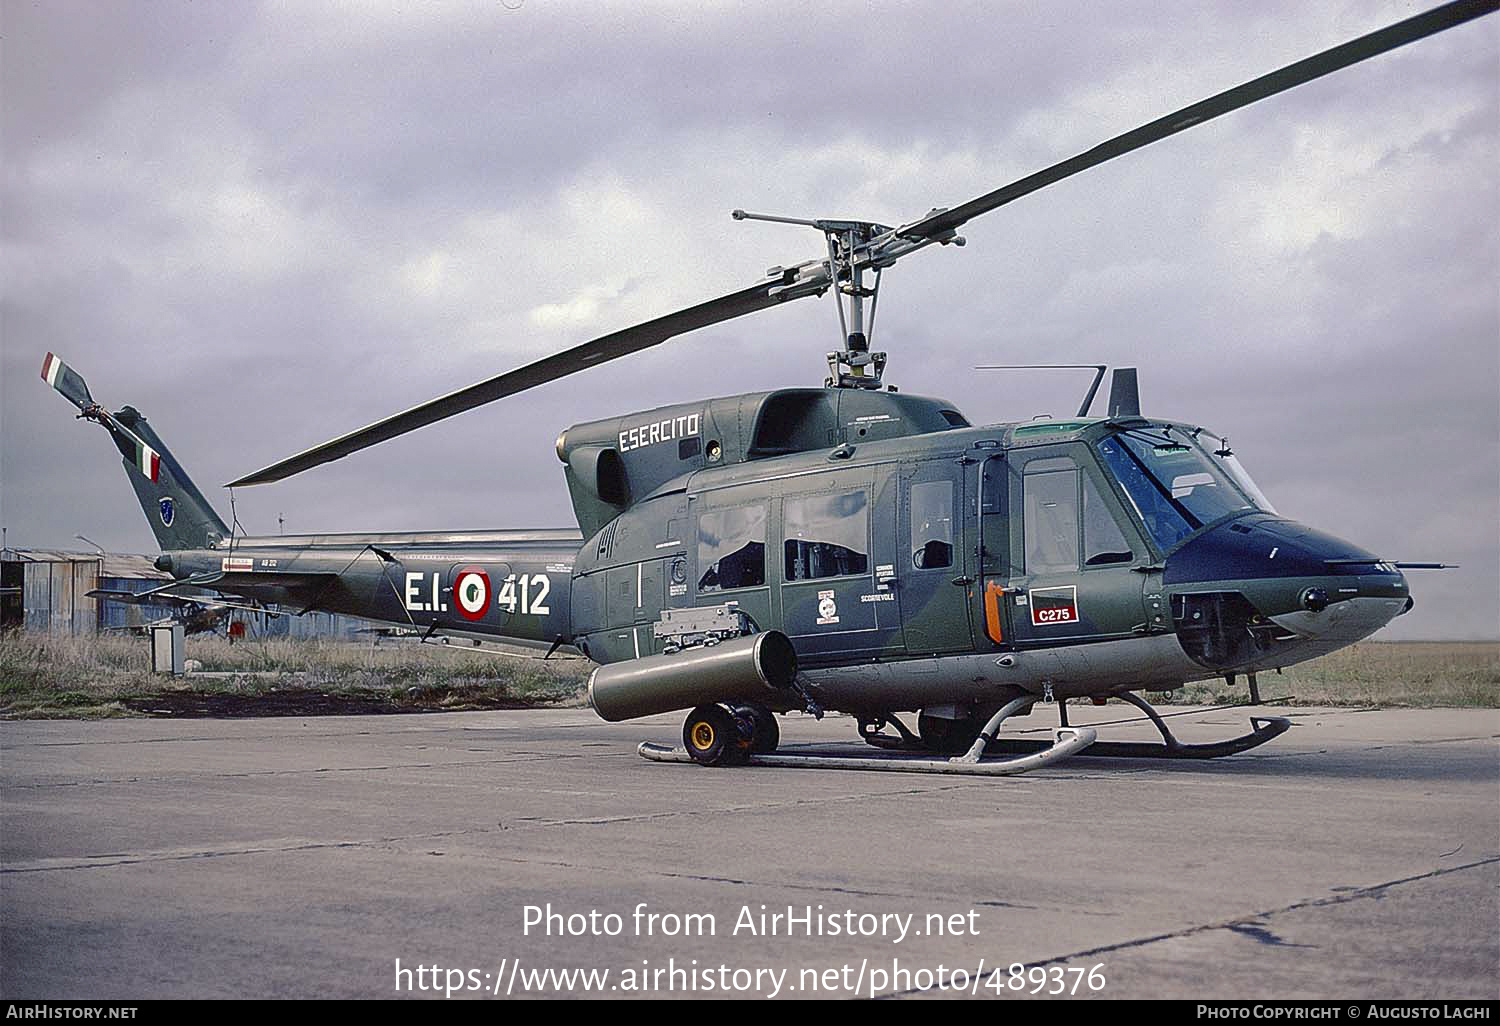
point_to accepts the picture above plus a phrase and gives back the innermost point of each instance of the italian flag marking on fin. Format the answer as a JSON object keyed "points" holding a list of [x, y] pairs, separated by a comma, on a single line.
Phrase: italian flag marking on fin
{"points": [[52, 369], [147, 460]]}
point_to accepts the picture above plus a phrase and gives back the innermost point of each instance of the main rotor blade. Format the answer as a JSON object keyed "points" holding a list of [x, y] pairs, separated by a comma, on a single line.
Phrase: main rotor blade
{"points": [[1409, 31], [934, 228], [559, 365]]}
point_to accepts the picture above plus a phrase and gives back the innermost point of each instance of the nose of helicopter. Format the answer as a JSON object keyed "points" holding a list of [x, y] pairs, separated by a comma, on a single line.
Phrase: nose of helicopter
{"points": [[1261, 592]]}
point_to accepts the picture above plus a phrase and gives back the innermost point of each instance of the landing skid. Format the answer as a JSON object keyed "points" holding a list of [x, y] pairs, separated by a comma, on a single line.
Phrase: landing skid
{"points": [[1023, 755], [1066, 741], [1263, 729], [1069, 741]]}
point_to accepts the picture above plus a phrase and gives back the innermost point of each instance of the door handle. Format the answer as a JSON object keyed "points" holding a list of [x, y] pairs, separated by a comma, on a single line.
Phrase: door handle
{"points": [[963, 582]]}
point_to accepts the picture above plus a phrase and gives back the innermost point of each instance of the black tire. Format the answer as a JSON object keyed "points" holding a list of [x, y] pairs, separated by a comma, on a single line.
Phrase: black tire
{"points": [[765, 738], [948, 737], [713, 737]]}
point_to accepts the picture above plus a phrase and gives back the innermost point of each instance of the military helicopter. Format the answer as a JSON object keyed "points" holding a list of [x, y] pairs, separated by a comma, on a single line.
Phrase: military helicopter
{"points": [[847, 547]]}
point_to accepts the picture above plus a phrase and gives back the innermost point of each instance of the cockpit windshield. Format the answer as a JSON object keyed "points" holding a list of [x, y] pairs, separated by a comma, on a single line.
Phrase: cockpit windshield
{"points": [[1175, 486], [1219, 447]]}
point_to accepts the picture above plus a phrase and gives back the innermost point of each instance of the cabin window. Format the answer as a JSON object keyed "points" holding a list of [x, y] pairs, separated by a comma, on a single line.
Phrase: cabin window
{"points": [[932, 525], [1050, 493], [732, 548], [827, 536]]}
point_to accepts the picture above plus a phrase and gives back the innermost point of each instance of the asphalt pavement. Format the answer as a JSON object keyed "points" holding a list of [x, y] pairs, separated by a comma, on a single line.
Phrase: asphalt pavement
{"points": [[526, 853]]}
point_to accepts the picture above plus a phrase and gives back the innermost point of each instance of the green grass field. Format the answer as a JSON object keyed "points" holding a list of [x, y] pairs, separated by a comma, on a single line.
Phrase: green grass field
{"points": [[58, 677]]}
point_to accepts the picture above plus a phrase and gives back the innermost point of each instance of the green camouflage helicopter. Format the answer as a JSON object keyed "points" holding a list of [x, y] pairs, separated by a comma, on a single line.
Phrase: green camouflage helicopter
{"points": [[848, 547]]}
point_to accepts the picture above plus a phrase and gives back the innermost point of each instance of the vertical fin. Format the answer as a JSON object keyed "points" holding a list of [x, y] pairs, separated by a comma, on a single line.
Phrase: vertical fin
{"points": [[179, 515]]}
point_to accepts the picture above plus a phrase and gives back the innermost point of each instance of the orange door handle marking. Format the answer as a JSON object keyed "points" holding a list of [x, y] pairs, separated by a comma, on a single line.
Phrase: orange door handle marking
{"points": [[993, 592]]}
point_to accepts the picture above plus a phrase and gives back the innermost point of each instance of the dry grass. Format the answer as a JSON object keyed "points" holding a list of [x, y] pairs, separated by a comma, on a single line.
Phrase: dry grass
{"points": [[1408, 674], [58, 677], [42, 676]]}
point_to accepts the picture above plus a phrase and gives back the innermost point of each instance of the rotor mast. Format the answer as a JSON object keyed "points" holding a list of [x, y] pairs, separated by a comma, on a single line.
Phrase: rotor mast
{"points": [[854, 247]]}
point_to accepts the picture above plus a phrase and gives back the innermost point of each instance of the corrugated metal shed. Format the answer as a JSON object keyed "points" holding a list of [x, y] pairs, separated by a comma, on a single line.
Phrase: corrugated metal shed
{"points": [[128, 572], [316, 625], [128, 566], [47, 590], [55, 584], [54, 589]]}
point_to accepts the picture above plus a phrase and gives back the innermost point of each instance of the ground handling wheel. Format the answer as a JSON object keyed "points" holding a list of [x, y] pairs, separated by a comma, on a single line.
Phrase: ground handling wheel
{"points": [[713, 736], [765, 738]]}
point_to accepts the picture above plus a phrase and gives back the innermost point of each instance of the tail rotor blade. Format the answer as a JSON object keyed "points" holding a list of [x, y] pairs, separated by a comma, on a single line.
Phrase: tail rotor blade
{"points": [[67, 381], [73, 388]]}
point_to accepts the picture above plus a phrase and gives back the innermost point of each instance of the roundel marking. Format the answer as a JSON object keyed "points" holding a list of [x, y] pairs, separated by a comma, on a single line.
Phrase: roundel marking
{"points": [[471, 590]]}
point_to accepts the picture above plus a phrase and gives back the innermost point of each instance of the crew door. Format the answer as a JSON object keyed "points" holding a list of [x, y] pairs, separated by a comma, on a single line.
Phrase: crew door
{"points": [[992, 554], [1073, 576], [935, 575]]}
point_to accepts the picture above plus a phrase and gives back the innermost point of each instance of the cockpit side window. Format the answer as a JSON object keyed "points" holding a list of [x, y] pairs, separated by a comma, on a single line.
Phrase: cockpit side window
{"points": [[1103, 541], [1068, 523], [1050, 498]]}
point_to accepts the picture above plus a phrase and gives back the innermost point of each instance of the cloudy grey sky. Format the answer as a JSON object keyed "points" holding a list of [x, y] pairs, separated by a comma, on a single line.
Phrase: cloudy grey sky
{"points": [[266, 224]]}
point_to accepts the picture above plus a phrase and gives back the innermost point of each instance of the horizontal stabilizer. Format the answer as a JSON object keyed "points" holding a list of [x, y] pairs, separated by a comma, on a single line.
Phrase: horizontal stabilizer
{"points": [[158, 597], [132, 598]]}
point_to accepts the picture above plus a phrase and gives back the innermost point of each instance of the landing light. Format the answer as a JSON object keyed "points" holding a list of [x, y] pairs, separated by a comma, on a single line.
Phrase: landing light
{"points": [[1315, 600]]}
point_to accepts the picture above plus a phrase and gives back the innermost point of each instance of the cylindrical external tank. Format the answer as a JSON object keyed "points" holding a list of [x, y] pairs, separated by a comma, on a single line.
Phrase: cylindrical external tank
{"points": [[747, 669]]}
